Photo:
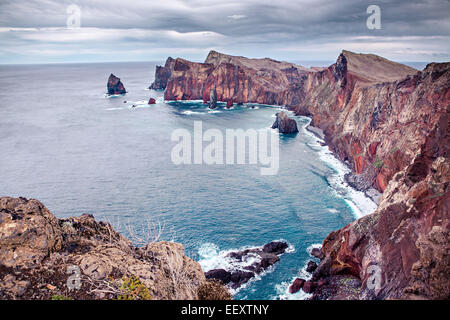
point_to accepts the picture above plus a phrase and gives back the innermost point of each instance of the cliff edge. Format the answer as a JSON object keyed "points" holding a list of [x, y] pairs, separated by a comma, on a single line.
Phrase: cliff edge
{"points": [[43, 257]]}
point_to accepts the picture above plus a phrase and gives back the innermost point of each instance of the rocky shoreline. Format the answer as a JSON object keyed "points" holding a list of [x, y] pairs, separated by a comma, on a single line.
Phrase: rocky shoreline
{"points": [[255, 262]]}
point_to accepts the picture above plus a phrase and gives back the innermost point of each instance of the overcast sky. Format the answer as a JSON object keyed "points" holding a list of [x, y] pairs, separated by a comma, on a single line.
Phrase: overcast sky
{"points": [[35, 31]]}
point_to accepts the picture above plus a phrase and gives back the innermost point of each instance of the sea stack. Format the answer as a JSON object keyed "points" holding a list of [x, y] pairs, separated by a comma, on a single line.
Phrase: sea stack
{"points": [[162, 74], [285, 124], [213, 98], [115, 86]]}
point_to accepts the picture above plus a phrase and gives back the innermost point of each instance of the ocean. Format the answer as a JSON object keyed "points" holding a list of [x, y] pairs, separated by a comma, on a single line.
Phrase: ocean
{"points": [[63, 142]]}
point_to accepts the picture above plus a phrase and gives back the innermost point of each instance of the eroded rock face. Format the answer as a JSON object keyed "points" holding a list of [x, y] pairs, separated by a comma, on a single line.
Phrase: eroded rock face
{"points": [[115, 86], [406, 241], [162, 74], [284, 124], [238, 79], [37, 249], [374, 125]]}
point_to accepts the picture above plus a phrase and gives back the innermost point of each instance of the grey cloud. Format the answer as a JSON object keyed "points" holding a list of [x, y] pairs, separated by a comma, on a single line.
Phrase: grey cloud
{"points": [[273, 26]]}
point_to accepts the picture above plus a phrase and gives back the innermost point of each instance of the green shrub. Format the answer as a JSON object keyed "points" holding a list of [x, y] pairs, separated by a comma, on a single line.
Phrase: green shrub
{"points": [[378, 163], [133, 289]]}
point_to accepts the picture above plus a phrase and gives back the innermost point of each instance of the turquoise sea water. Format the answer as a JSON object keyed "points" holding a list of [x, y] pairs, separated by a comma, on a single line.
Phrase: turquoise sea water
{"points": [[78, 152]]}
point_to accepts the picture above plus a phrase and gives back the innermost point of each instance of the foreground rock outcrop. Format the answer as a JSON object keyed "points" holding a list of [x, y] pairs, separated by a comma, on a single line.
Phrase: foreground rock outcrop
{"points": [[39, 254], [115, 86], [284, 124]]}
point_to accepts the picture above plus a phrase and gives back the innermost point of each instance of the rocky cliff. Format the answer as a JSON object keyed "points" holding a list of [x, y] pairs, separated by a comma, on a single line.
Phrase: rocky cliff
{"points": [[41, 255], [237, 79], [403, 249], [115, 86], [375, 113], [389, 123], [162, 74]]}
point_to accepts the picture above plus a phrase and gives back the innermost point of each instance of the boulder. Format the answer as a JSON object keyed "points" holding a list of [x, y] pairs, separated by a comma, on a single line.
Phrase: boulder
{"points": [[285, 124], [268, 259], [219, 274], [115, 86], [229, 103], [276, 247], [317, 253], [308, 286], [296, 285], [311, 266], [239, 277], [151, 101]]}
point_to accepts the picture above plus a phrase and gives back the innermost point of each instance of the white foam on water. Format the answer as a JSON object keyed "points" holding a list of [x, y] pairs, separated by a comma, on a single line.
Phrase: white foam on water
{"points": [[360, 204], [282, 289], [210, 257], [189, 112], [109, 96], [121, 108], [313, 246]]}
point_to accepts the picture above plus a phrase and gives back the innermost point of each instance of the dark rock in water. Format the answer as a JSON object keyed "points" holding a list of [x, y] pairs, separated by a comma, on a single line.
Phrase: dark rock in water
{"points": [[240, 277], [238, 255], [268, 259], [316, 252], [229, 103], [151, 101], [213, 98], [115, 86], [219, 274], [254, 261], [311, 266], [309, 286], [285, 124], [296, 285], [125, 101], [276, 247], [162, 74]]}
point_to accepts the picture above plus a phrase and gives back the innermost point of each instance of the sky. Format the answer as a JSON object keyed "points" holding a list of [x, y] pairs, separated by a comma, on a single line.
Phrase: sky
{"points": [[56, 31]]}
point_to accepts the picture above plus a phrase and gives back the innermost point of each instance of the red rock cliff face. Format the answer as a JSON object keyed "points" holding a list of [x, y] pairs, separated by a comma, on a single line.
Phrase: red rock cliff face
{"points": [[407, 239], [364, 103], [162, 74], [376, 126], [390, 123], [238, 79]]}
